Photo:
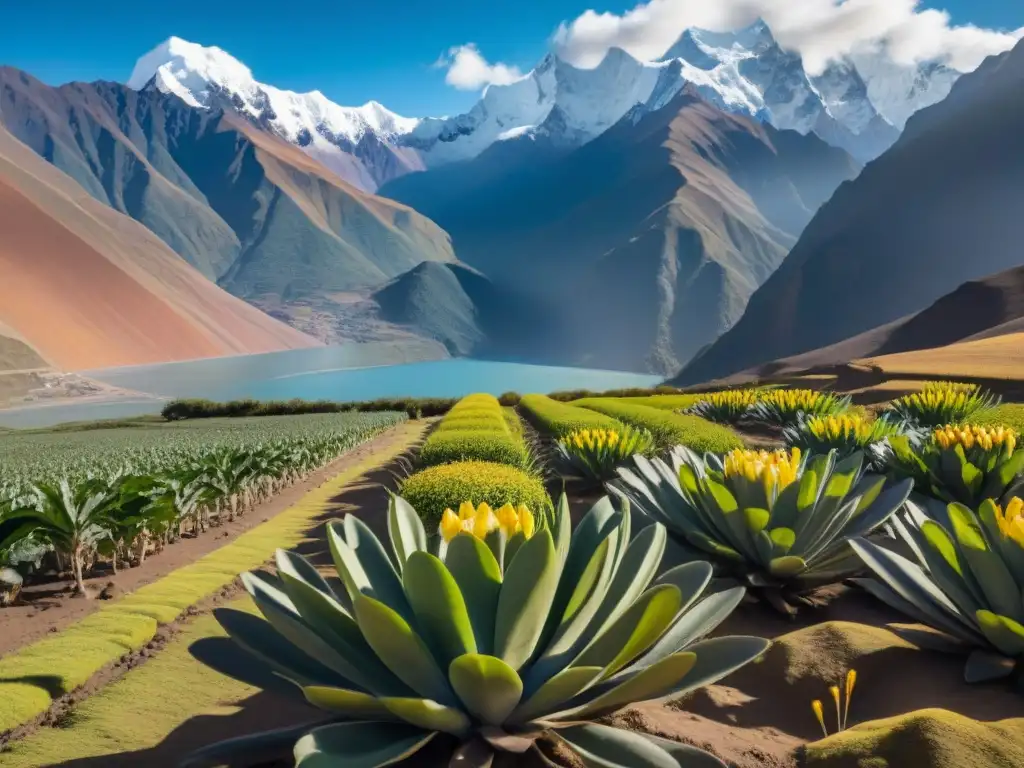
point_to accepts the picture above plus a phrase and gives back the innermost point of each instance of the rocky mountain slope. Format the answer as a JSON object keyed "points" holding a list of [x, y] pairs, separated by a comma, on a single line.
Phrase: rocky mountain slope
{"points": [[251, 212], [86, 287], [945, 205], [648, 239]]}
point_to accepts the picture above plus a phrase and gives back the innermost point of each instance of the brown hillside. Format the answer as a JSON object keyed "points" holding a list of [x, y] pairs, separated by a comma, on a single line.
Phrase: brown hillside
{"points": [[942, 207], [88, 287]]}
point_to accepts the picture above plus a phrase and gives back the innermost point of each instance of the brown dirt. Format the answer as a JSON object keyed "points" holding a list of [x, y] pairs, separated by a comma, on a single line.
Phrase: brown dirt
{"points": [[48, 607]]}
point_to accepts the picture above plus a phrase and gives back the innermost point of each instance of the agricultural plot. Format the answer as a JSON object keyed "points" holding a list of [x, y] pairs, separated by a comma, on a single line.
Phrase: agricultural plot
{"points": [[476, 613]]}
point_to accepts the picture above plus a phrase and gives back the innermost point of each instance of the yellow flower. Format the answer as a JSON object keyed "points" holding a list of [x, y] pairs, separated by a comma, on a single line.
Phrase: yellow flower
{"points": [[526, 522], [466, 510], [986, 438], [508, 520], [776, 469], [819, 712], [451, 525], [1011, 520], [484, 521]]}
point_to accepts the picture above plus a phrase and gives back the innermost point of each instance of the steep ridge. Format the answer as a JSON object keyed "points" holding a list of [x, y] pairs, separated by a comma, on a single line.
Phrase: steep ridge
{"points": [[468, 313], [87, 287], [248, 210], [945, 205], [979, 309], [649, 238]]}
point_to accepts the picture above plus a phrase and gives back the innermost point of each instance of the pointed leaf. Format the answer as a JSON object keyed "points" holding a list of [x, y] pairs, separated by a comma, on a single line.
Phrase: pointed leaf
{"points": [[559, 689], [652, 683], [525, 600], [441, 613], [405, 530]]}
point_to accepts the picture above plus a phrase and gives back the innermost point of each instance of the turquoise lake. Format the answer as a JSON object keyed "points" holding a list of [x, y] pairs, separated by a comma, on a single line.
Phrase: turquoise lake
{"points": [[316, 374]]}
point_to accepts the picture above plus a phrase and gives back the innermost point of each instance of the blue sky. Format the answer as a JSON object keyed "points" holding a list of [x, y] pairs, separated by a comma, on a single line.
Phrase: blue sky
{"points": [[352, 51]]}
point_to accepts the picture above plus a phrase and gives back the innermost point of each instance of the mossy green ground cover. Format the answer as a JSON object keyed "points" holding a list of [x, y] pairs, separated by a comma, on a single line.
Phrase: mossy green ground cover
{"points": [[1008, 414], [61, 663]]}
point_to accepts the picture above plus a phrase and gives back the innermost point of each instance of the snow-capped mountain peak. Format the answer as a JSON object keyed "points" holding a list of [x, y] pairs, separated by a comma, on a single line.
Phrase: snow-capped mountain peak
{"points": [[210, 77]]}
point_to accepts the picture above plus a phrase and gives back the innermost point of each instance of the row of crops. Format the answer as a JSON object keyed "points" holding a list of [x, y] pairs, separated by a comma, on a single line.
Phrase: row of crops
{"points": [[70, 501], [486, 621]]}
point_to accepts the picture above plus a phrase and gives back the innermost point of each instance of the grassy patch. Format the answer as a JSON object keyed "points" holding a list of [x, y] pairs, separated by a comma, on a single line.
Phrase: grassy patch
{"points": [[668, 428], [1007, 415], [667, 402], [130, 715], [68, 659], [476, 429], [934, 737], [559, 419], [447, 485]]}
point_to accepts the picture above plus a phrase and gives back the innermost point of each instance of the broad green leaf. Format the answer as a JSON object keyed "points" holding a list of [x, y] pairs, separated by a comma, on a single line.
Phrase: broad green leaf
{"points": [[359, 745], [555, 692], [384, 583], [428, 715], [245, 750], [649, 684], [398, 646], [478, 576], [756, 519], [634, 631], [787, 566], [1003, 632], [488, 687], [941, 542], [353, 704], [601, 746], [441, 613], [405, 530], [686, 756], [525, 600], [782, 540]]}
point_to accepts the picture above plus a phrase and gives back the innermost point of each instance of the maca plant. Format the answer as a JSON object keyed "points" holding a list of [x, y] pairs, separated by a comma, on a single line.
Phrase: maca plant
{"points": [[940, 403], [474, 659], [593, 454], [967, 581], [964, 464], [781, 407], [847, 434], [780, 521], [727, 407]]}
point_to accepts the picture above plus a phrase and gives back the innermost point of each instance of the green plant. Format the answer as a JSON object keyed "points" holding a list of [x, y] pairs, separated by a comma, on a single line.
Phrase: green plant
{"points": [[941, 403], [782, 407], [594, 454], [780, 521], [435, 489], [727, 407], [669, 429], [966, 464], [501, 448], [967, 582], [559, 419], [847, 434], [457, 653]]}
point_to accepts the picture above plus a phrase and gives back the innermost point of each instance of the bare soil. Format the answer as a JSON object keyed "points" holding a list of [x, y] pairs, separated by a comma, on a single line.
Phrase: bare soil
{"points": [[48, 606]]}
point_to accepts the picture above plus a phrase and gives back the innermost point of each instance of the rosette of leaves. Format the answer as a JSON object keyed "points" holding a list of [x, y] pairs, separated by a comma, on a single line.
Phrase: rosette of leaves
{"points": [[941, 403], [847, 434], [728, 407], [780, 521], [460, 659], [964, 464], [593, 454], [781, 407], [967, 581]]}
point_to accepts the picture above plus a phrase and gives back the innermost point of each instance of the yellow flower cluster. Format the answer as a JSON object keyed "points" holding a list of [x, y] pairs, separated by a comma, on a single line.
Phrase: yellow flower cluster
{"points": [[482, 520], [594, 439], [835, 427], [734, 398], [983, 437], [950, 386], [793, 399], [776, 469], [934, 399], [1011, 520]]}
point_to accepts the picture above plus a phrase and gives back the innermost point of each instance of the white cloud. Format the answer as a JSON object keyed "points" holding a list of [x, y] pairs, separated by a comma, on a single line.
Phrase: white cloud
{"points": [[468, 70], [820, 30]]}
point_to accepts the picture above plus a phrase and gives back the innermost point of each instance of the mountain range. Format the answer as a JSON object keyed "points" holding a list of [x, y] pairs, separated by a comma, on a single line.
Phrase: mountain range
{"points": [[945, 205], [619, 216]]}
